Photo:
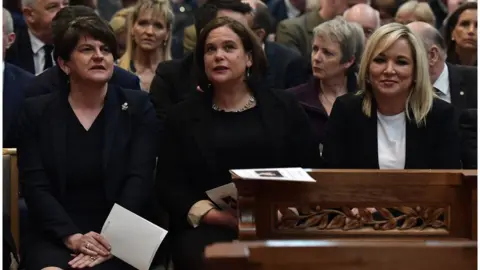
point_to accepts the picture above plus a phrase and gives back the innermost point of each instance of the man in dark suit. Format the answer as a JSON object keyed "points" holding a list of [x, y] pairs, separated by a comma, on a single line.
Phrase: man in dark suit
{"points": [[33, 49], [297, 33], [452, 83], [285, 9], [175, 80], [52, 79], [286, 67], [14, 80]]}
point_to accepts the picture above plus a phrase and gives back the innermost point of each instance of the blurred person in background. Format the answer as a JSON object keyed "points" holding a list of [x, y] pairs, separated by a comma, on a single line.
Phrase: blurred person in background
{"points": [[387, 9], [15, 80], [283, 72], [33, 48], [148, 39], [413, 11], [460, 33], [119, 23], [297, 33], [366, 16]]}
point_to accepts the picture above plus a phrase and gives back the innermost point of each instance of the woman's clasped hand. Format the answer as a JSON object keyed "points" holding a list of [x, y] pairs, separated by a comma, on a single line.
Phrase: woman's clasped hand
{"points": [[90, 249]]}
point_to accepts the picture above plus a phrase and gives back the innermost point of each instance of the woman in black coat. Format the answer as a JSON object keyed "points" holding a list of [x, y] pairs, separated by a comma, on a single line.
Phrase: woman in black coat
{"points": [[396, 122], [234, 123], [83, 149]]}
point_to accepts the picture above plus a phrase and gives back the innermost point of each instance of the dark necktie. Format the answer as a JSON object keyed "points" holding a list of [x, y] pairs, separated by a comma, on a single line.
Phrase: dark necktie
{"points": [[438, 92], [48, 56]]}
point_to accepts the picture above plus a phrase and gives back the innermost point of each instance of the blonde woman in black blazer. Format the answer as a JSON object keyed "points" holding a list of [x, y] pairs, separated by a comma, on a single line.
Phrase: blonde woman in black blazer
{"points": [[396, 122]]}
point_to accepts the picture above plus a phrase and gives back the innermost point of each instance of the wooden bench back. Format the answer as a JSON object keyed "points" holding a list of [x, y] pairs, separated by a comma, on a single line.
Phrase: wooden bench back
{"points": [[342, 255], [11, 191], [419, 204]]}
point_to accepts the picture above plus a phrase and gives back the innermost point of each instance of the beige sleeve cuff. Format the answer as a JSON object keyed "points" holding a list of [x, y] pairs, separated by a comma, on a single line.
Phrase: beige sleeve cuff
{"points": [[198, 210]]}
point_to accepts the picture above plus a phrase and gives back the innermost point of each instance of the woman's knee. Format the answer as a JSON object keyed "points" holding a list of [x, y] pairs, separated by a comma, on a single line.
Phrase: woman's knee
{"points": [[52, 268]]}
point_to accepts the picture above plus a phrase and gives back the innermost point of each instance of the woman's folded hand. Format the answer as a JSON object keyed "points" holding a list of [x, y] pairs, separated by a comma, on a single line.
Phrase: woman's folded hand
{"points": [[219, 217], [92, 244]]}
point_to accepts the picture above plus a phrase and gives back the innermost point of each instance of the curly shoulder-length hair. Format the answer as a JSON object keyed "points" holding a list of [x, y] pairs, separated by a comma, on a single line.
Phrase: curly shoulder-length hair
{"points": [[250, 44], [420, 99]]}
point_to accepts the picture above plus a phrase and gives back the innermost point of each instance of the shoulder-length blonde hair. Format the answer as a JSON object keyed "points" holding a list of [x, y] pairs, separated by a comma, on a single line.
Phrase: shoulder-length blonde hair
{"points": [[158, 8], [420, 99]]}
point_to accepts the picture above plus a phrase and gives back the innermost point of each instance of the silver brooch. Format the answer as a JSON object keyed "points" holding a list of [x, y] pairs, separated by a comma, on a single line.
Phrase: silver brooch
{"points": [[125, 106]]}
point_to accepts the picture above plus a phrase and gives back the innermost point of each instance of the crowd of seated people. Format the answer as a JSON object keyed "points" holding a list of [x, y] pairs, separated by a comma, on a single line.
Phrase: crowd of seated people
{"points": [[261, 84]]}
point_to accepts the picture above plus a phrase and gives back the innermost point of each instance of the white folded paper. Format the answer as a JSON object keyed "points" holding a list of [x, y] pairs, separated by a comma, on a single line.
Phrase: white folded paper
{"points": [[224, 196], [282, 174], [133, 239]]}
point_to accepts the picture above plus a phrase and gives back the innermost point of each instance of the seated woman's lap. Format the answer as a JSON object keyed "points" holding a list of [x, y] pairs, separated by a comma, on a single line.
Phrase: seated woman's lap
{"points": [[42, 253], [188, 246]]}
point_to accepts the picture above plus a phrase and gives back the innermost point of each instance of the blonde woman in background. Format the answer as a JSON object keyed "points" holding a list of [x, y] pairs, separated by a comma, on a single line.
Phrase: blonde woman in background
{"points": [[413, 11], [148, 40], [119, 26], [395, 121]]}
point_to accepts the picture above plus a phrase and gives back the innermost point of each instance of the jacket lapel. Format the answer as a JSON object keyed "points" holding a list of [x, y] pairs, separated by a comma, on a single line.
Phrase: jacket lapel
{"points": [[270, 107], [370, 137], [201, 118], [457, 93], [58, 128], [413, 145]]}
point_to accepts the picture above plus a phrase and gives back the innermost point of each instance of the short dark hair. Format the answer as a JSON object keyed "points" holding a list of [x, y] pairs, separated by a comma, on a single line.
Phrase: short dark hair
{"points": [[262, 19], [67, 15], [250, 44], [94, 26], [209, 10], [450, 24]]}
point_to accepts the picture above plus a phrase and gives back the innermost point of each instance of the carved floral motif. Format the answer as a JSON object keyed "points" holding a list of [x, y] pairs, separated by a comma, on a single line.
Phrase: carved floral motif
{"points": [[401, 218]]}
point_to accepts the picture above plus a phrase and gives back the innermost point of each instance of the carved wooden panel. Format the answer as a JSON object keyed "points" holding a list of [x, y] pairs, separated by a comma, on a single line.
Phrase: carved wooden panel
{"points": [[403, 218]]}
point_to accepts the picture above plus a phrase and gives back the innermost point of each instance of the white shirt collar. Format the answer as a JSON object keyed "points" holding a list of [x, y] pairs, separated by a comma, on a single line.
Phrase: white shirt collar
{"points": [[442, 82], [292, 11], [37, 44]]}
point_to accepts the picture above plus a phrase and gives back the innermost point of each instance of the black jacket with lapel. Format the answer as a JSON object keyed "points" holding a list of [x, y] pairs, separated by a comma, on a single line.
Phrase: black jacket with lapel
{"points": [[463, 86], [128, 155], [351, 138], [188, 166], [20, 53], [174, 81]]}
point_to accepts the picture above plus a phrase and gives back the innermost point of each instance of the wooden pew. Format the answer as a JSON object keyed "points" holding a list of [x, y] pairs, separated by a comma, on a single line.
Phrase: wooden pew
{"points": [[342, 255], [413, 204], [11, 191]]}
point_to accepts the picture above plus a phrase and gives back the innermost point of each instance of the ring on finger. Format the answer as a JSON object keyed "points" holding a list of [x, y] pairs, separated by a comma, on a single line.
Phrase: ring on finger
{"points": [[93, 258], [87, 246]]}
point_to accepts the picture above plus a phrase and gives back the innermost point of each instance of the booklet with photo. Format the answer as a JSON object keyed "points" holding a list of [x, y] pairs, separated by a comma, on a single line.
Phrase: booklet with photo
{"points": [[224, 197], [133, 239], [282, 174]]}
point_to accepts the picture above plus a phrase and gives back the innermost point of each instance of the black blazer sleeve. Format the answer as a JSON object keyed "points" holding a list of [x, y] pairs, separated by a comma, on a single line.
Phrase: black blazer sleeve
{"points": [[335, 148], [446, 149], [172, 184], [43, 206], [304, 147], [468, 130], [142, 155], [159, 90]]}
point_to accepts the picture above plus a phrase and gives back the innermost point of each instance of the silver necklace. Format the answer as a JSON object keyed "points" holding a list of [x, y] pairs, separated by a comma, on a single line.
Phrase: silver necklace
{"points": [[250, 104]]}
